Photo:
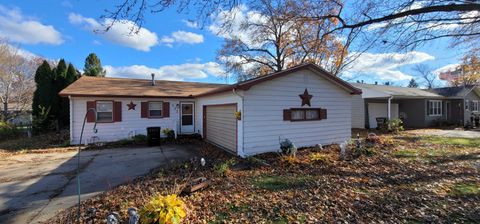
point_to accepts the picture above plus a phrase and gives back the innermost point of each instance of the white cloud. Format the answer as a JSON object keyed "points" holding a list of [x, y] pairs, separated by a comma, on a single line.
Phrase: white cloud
{"points": [[167, 72], [17, 28], [182, 37], [190, 23], [446, 68], [119, 33], [385, 66]]}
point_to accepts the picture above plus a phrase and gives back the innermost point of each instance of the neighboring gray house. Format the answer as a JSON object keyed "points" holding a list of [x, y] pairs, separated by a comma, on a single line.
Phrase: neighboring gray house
{"points": [[417, 108]]}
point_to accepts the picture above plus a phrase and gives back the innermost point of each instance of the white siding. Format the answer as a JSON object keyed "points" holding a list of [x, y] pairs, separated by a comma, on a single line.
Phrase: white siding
{"points": [[131, 123], [263, 113], [224, 98], [358, 112]]}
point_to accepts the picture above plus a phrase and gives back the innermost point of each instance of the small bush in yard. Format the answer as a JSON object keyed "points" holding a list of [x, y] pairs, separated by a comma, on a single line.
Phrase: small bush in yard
{"points": [[140, 139], [169, 133], [288, 148], [163, 210], [395, 125], [223, 168], [8, 131]]}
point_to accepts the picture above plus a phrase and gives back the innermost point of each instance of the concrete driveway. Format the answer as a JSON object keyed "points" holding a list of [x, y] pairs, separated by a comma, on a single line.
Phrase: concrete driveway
{"points": [[448, 133], [33, 187]]}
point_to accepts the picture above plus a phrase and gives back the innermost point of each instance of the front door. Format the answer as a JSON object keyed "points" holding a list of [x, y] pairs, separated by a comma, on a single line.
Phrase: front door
{"points": [[186, 117]]}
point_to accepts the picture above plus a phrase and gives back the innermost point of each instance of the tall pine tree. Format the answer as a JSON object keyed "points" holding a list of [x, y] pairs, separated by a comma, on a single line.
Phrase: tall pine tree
{"points": [[93, 66], [59, 80], [51, 111], [43, 96]]}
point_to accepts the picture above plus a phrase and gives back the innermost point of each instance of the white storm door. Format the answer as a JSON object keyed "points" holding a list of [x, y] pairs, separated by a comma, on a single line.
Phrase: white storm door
{"points": [[186, 117]]}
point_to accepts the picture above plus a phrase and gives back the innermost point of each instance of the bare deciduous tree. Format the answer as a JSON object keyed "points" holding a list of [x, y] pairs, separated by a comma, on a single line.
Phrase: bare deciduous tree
{"points": [[16, 78], [412, 21], [428, 77]]}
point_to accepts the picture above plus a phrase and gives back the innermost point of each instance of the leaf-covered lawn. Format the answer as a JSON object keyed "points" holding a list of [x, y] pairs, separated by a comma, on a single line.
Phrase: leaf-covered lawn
{"points": [[408, 179]]}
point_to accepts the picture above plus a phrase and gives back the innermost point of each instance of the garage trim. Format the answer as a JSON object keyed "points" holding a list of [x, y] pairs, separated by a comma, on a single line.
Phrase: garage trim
{"points": [[205, 125]]}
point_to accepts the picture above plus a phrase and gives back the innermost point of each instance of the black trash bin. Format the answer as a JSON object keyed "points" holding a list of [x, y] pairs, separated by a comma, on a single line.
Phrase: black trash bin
{"points": [[153, 136]]}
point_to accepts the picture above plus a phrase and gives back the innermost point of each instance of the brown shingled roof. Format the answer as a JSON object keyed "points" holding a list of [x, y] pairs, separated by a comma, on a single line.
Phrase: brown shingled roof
{"points": [[121, 87]]}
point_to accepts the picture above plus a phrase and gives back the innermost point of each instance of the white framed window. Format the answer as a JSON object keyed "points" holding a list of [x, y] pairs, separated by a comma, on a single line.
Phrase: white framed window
{"points": [[435, 107], [104, 111], [467, 105], [305, 114], [474, 105], [155, 109]]}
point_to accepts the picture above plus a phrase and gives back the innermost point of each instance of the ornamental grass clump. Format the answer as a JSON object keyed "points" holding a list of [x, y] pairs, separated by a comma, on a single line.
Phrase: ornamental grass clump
{"points": [[163, 210]]}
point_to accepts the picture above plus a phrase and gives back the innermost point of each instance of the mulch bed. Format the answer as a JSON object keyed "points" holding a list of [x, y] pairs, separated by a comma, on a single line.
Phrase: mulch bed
{"points": [[379, 188]]}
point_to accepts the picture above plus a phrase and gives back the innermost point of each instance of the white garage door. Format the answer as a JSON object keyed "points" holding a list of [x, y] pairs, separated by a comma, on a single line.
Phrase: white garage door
{"points": [[380, 110], [221, 126]]}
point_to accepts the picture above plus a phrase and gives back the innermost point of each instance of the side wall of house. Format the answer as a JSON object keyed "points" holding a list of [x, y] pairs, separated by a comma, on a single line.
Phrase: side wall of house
{"points": [[218, 99], [358, 112], [413, 111], [131, 124], [468, 113], [263, 113]]}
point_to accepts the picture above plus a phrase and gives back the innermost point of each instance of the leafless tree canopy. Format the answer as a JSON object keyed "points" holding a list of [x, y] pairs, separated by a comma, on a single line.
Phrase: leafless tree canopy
{"points": [[426, 74], [16, 78], [315, 28], [412, 21]]}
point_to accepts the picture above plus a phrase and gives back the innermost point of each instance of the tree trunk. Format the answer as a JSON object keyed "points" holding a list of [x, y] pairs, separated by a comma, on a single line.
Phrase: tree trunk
{"points": [[5, 111]]}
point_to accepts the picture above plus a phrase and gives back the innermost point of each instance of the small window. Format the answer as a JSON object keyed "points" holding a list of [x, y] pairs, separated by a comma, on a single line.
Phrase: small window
{"points": [[305, 114], [104, 111], [155, 109], [435, 108], [475, 105], [467, 105]]}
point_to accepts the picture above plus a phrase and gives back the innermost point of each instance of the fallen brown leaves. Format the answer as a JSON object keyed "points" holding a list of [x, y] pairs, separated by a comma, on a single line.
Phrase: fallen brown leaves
{"points": [[380, 188]]}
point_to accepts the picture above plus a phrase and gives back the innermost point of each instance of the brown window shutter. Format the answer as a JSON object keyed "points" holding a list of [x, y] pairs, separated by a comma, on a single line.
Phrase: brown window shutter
{"points": [[323, 113], [287, 114], [117, 111], [144, 110], [91, 113], [166, 109]]}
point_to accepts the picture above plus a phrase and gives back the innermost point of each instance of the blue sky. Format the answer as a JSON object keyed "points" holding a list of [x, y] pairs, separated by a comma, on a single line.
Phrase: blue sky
{"points": [[167, 44]]}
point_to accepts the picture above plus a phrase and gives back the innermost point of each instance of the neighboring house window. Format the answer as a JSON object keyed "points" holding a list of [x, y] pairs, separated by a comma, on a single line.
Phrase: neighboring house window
{"points": [[304, 114], [475, 105], [155, 109], [104, 111], [435, 107], [467, 105]]}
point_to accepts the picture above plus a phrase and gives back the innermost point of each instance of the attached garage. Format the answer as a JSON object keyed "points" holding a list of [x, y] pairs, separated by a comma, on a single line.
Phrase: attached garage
{"points": [[220, 125]]}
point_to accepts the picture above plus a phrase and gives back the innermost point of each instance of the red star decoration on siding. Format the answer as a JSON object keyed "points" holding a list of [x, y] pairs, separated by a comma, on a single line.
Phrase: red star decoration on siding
{"points": [[306, 98], [131, 106]]}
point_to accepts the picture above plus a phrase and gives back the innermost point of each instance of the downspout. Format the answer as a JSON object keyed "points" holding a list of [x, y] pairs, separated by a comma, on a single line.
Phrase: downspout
{"points": [[390, 107], [71, 118], [389, 110], [234, 90]]}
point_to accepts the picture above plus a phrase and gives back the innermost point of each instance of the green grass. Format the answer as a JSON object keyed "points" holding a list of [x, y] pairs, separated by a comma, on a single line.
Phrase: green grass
{"points": [[277, 183], [466, 142], [465, 189], [406, 153]]}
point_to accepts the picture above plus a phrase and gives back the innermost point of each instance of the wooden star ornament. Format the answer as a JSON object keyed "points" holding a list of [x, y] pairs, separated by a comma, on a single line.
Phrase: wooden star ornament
{"points": [[306, 98], [131, 105]]}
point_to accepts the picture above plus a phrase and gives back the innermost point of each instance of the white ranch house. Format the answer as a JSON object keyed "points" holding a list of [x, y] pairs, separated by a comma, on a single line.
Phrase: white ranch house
{"points": [[304, 104]]}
